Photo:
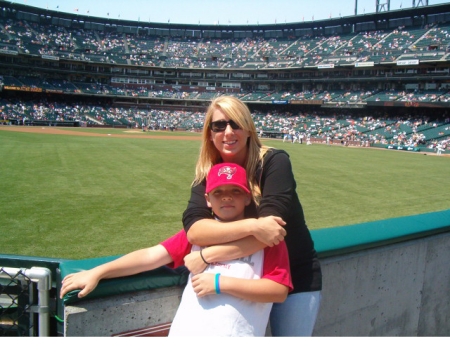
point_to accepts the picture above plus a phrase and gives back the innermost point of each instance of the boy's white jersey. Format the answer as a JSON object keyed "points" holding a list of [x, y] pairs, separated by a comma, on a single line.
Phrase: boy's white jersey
{"points": [[223, 315]]}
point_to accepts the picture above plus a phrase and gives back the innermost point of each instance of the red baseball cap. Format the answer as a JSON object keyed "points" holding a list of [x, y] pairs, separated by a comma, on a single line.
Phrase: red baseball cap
{"points": [[227, 174]]}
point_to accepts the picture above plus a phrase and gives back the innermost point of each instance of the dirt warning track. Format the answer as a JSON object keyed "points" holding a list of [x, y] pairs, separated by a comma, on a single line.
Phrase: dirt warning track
{"points": [[120, 133]]}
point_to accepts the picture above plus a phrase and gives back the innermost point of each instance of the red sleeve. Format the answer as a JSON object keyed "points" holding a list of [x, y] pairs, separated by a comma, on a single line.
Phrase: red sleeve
{"points": [[276, 265], [178, 247]]}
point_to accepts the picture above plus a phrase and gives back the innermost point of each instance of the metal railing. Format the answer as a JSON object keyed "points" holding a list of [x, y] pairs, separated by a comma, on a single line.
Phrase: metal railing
{"points": [[25, 301]]}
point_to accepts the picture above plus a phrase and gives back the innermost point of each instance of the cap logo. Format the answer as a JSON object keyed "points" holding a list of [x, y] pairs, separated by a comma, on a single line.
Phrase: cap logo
{"points": [[227, 170], [226, 174]]}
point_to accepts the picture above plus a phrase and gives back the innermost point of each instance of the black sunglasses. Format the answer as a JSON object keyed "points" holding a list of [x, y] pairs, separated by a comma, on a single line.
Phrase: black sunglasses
{"points": [[220, 126]]}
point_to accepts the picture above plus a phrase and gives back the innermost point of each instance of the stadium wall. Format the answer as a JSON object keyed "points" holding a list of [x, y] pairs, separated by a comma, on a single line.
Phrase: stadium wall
{"points": [[382, 278]]}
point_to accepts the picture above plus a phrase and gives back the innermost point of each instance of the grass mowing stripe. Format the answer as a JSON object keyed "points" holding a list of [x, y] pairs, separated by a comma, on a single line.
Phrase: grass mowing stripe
{"points": [[91, 191], [81, 197], [341, 185]]}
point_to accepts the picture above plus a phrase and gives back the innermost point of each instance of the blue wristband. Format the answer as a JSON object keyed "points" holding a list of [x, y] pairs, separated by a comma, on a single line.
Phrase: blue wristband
{"points": [[217, 286]]}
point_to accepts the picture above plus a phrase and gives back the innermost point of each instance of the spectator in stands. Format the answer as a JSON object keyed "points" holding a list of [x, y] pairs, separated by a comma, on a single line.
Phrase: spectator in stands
{"points": [[229, 135], [231, 298]]}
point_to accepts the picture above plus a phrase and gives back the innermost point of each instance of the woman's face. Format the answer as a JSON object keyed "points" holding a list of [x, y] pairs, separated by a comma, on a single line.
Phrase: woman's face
{"points": [[231, 143]]}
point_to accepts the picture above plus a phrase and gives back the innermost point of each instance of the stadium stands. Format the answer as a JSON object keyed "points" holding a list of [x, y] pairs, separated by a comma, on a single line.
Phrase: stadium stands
{"points": [[301, 76]]}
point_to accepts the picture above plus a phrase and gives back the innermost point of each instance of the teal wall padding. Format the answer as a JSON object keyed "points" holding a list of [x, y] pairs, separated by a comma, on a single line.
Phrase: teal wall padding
{"points": [[340, 240]]}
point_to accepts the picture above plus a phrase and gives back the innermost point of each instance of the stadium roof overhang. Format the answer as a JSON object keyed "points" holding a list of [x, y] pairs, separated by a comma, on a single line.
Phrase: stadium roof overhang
{"points": [[7, 6]]}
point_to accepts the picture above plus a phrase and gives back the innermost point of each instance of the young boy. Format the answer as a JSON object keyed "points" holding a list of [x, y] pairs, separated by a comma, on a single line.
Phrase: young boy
{"points": [[232, 298]]}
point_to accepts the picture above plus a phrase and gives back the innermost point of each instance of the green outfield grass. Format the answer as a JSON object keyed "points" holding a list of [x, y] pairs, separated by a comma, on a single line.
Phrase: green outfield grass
{"points": [[81, 197]]}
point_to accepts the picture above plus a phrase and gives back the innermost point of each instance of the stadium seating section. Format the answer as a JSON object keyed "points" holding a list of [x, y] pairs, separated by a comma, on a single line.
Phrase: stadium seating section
{"points": [[158, 56]]}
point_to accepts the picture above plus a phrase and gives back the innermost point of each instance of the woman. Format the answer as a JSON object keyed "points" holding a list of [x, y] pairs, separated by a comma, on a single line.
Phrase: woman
{"points": [[229, 135]]}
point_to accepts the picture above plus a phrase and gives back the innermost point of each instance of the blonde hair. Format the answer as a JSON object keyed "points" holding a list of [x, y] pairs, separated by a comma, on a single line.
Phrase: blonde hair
{"points": [[237, 111]]}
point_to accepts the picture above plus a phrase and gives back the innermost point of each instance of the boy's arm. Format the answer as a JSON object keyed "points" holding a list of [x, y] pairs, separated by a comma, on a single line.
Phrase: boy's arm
{"points": [[129, 264], [273, 286], [256, 290]]}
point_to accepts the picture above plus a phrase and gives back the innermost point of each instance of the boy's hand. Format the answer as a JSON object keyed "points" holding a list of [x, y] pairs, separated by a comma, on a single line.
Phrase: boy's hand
{"points": [[203, 284], [86, 281], [194, 263]]}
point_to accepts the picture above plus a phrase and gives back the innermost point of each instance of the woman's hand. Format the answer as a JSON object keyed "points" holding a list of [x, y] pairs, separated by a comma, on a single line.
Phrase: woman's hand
{"points": [[270, 230], [86, 281], [194, 263]]}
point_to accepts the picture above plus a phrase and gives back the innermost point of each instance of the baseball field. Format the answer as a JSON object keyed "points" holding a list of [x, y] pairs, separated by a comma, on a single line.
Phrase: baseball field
{"points": [[79, 193]]}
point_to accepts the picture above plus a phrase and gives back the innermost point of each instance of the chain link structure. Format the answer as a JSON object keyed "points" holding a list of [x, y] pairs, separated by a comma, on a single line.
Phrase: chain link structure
{"points": [[24, 301]]}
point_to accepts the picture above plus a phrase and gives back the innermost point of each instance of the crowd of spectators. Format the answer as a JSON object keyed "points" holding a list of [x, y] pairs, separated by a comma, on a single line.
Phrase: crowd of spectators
{"points": [[143, 49], [413, 131], [337, 97], [98, 114]]}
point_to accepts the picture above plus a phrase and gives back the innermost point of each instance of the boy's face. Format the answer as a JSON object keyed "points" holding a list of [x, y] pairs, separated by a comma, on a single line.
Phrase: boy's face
{"points": [[228, 202]]}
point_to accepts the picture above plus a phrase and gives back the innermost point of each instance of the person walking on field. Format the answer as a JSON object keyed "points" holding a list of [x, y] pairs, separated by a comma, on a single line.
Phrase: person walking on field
{"points": [[292, 135], [275, 213], [286, 136], [300, 138]]}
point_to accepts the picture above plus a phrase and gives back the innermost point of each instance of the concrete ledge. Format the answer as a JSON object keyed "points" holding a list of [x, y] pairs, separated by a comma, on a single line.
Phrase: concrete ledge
{"points": [[109, 316]]}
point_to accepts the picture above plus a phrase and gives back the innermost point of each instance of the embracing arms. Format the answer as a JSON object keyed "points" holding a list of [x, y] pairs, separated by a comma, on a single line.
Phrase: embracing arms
{"points": [[269, 230], [278, 188]]}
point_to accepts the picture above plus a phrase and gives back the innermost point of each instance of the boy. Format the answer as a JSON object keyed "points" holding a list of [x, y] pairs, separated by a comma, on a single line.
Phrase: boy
{"points": [[232, 298]]}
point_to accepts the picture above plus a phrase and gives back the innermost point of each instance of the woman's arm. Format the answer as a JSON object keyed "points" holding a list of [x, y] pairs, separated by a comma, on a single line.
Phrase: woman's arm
{"points": [[129, 264], [255, 290], [203, 230], [278, 188], [269, 230], [231, 250], [223, 252]]}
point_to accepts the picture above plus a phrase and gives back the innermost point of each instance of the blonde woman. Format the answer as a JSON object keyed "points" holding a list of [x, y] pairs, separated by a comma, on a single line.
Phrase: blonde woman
{"points": [[275, 214]]}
